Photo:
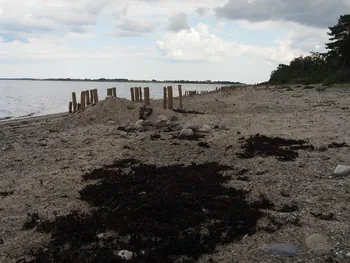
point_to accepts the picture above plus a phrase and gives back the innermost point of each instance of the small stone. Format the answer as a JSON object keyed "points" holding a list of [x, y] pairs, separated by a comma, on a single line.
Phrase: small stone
{"points": [[284, 250], [186, 133], [342, 170], [162, 118], [192, 127], [43, 144], [347, 255], [100, 236], [223, 127], [322, 148], [174, 118], [92, 117], [147, 123], [111, 122], [139, 122], [318, 244], [125, 254], [161, 124]]}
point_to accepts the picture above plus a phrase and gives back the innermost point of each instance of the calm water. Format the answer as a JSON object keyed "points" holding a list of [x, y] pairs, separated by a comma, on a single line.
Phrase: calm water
{"points": [[22, 98]]}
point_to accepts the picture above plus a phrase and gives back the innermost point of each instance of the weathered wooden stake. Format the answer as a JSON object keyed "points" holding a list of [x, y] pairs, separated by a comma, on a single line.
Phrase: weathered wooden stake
{"points": [[74, 100], [146, 94], [180, 95], [87, 95], [164, 97], [95, 95], [70, 107], [137, 96], [109, 92], [132, 94], [82, 100], [140, 94], [92, 99], [170, 97], [114, 92]]}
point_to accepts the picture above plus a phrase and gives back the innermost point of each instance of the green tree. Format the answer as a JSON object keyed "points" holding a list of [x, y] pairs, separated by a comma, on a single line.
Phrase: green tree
{"points": [[339, 47]]}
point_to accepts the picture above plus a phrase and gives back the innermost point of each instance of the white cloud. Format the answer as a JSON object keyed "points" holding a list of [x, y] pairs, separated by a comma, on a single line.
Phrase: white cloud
{"points": [[199, 44]]}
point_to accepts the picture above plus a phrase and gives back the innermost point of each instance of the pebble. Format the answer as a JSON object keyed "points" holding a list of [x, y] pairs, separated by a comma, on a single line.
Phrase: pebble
{"points": [[186, 133], [111, 122], [161, 124], [125, 254], [318, 244], [223, 127], [284, 250], [147, 123], [192, 127], [139, 122], [347, 255], [174, 118], [162, 118], [342, 170]]}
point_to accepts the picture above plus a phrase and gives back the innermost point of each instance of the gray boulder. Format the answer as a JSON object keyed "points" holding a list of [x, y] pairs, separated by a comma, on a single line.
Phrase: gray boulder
{"points": [[185, 133], [342, 170], [318, 244]]}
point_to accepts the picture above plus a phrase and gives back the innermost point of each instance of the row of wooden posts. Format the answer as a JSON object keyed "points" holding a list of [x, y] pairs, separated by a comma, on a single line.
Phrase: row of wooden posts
{"points": [[168, 98], [88, 97]]}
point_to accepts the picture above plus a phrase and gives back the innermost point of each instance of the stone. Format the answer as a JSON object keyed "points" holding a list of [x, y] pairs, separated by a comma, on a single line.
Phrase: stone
{"points": [[193, 127], [111, 122], [223, 127], [162, 118], [174, 118], [147, 123], [139, 122], [318, 244], [342, 170], [347, 255], [134, 127], [125, 255], [161, 124], [186, 133], [204, 129], [284, 250]]}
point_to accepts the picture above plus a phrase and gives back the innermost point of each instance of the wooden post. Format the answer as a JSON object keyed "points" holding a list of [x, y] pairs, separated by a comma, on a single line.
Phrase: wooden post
{"points": [[87, 95], [70, 107], [114, 92], [140, 94], [109, 92], [92, 99], [147, 100], [170, 97], [132, 94], [96, 95], [180, 95], [79, 106], [74, 101], [137, 96], [164, 97], [82, 100]]}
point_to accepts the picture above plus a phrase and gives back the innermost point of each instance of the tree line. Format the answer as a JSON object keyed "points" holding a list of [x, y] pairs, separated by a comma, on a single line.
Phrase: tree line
{"points": [[330, 67]]}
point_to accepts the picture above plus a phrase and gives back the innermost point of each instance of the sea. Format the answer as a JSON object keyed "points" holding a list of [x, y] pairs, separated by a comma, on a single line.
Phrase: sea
{"points": [[28, 98]]}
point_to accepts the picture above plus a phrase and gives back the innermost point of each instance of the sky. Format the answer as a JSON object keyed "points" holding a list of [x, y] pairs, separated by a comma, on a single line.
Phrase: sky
{"points": [[234, 40]]}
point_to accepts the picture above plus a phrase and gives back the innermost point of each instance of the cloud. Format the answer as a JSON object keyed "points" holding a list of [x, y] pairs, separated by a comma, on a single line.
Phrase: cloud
{"points": [[178, 22], [313, 13], [199, 44]]}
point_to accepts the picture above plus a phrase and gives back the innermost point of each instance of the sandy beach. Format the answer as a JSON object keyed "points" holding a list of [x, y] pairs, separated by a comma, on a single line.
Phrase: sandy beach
{"points": [[43, 161]]}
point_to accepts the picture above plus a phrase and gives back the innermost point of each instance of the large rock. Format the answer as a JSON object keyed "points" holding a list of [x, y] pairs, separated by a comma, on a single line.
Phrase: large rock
{"points": [[284, 250], [342, 170], [185, 133], [318, 244]]}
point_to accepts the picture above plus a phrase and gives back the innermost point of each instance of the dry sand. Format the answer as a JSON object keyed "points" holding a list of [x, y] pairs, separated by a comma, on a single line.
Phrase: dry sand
{"points": [[42, 161]]}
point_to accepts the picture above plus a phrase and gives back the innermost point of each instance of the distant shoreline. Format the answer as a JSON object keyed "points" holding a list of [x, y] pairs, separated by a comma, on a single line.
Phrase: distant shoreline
{"points": [[131, 81]]}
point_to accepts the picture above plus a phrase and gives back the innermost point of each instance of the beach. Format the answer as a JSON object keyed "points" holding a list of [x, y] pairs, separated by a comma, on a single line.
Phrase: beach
{"points": [[43, 161]]}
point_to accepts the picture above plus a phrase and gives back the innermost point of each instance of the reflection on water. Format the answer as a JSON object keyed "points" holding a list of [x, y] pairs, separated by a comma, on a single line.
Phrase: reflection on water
{"points": [[19, 98]]}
